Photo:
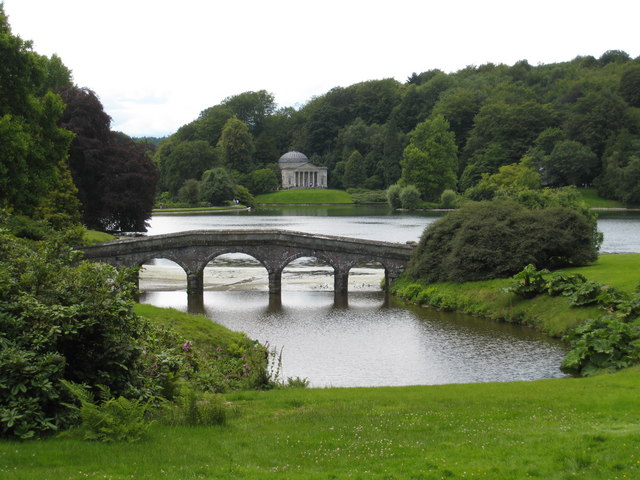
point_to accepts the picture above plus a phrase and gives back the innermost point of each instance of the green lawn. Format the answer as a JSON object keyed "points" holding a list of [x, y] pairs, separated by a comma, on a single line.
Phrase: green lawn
{"points": [[590, 195], [311, 196], [549, 429]]}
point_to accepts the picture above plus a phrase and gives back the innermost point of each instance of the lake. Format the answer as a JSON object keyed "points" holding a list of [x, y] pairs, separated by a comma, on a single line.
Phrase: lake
{"points": [[365, 338]]}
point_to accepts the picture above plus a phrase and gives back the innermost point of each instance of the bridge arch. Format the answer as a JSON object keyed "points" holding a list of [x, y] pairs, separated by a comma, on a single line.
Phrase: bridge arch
{"points": [[152, 271], [243, 269], [301, 267], [367, 274]]}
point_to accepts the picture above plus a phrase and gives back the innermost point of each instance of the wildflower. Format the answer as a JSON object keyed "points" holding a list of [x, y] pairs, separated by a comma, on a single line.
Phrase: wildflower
{"points": [[186, 346]]}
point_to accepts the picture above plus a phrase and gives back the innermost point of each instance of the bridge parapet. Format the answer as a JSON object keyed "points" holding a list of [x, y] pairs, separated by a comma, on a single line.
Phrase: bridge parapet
{"points": [[275, 249]]}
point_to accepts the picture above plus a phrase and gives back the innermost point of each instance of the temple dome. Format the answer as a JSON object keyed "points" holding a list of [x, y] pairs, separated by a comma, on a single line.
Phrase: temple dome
{"points": [[293, 157]]}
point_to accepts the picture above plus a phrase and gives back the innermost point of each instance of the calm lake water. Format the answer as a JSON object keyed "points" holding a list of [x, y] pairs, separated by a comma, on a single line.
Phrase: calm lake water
{"points": [[365, 338]]}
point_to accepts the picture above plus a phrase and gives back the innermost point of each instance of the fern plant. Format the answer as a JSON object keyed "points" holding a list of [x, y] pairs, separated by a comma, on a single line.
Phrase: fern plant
{"points": [[111, 420]]}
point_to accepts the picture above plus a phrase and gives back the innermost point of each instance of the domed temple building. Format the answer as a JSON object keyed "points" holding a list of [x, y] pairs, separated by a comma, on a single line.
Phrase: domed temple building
{"points": [[299, 172]]}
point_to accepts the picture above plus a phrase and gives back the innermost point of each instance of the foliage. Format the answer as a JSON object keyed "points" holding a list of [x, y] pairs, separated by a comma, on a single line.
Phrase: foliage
{"points": [[184, 161], [430, 161], [409, 197], [190, 192], [195, 408], [61, 320], [244, 196], [448, 199], [263, 180], [570, 163], [393, 196], [115, 176], [192, 348], [32, 146], [564, 116], [499, 238], [510, 180], [113, 419], [354, 171], [561, 283], [529, 282], [236, 146], [607, 343], [218, 187]]}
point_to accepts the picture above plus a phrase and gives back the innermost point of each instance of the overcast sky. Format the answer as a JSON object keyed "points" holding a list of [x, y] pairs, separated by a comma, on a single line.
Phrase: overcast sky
{"points": [[156, 64]]}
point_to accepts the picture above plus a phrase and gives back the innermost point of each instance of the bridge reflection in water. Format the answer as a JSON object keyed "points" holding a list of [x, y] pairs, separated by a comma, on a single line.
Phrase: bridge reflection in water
{"points": [[274, 249]]}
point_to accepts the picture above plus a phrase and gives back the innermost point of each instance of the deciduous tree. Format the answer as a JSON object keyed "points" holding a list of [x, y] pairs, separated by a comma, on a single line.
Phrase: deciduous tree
{"points": [[236, 146], [430, 161], [115, 176]]}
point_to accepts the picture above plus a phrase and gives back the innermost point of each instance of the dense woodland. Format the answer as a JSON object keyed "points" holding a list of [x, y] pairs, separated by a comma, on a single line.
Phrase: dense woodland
{"points": [[576, 123]]}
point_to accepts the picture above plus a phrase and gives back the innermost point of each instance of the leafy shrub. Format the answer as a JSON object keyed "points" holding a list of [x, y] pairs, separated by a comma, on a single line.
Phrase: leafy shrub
{"points": [[529, 282], [605, 344], [244, 196], [112, 420], [60, 319], [448, 199], [497, 239], [29, 392], [393, 196], [410, 197], [560, 283], [586, 294]]}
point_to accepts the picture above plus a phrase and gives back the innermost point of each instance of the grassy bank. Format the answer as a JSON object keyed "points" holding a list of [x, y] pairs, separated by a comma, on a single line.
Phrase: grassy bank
{"points": [[551, 315], [550, 429], [228, 208], [312, 196], [590, 195]]}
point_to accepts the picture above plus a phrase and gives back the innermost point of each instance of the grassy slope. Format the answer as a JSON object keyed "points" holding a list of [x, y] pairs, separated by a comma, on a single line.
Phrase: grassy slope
{"points": [[549, 429], [590, 195], [92, 237], [198, 329], [551, 315], [305, 196]]}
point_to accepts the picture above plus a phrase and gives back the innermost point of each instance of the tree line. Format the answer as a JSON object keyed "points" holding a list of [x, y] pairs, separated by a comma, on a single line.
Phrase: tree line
{"points": [[575, 123]]}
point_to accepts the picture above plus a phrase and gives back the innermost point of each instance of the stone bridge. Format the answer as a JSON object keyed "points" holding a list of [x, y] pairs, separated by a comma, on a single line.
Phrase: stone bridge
{"points": [[275, 249]]}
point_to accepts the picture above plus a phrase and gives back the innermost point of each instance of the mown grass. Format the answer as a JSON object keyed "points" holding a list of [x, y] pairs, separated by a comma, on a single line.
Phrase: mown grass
{"points": [[91, 237], [551, 315], [593, 200], [310, 196], [549, 429]]}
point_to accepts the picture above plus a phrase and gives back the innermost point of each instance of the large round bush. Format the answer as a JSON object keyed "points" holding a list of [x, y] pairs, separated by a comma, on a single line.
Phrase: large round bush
{"points": [[498, 239]]}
